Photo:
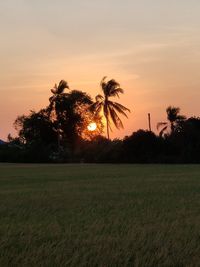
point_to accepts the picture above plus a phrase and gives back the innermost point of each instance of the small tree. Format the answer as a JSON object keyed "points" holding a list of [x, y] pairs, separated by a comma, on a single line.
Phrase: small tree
{"points": [[173, 117]]}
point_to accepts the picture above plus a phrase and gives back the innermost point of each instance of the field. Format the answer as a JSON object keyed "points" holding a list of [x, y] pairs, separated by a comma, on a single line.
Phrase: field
{"points": [[99, 215]]}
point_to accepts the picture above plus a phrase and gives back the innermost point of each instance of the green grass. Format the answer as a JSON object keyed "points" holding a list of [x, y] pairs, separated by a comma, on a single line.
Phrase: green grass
{"points": [[99, 215]]}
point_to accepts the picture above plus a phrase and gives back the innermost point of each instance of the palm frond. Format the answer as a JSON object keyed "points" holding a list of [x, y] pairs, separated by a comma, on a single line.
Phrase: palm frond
{"points": [[61, 87], [54, 89], [111, 87], [174, 110], [162, 131], [103, 80], [116, 92], [99, 108], [172, 113], [96, 107], [115, 118], [99, 98], [112, 84], [160, 124], [103, 84], [120, 108]]}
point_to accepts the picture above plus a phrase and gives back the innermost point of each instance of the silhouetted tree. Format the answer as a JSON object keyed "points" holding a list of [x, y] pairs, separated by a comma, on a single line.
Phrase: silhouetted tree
{"points": [[173, 117], [187, 140], [71, 113], [55, 107], [142, 147], [60, 132], [110, 108], [36, 127], [37, 137]]}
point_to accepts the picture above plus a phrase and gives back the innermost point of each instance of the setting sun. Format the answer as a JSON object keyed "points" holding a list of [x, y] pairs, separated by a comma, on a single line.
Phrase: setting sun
{"points": [[92, 126]]}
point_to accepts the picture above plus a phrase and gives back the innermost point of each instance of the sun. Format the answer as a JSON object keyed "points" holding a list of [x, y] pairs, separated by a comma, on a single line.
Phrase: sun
{"points": [[92, 126]]}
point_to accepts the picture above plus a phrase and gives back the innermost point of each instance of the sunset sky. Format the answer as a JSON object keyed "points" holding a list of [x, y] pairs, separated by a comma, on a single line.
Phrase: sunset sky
{"points": [[152, 47]]}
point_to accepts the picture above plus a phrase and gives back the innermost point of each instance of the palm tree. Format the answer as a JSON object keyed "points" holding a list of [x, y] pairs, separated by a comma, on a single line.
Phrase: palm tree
{"points": [[173, 117], [110, 108], [58, 93], [55, 105]]}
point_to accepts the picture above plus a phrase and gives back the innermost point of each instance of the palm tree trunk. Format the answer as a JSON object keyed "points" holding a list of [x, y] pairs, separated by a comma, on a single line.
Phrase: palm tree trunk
{"points": [[106, 115], [107, 126]]}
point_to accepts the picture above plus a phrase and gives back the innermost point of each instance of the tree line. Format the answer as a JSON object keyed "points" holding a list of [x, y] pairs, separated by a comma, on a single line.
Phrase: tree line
{"points": [[71, 129]]}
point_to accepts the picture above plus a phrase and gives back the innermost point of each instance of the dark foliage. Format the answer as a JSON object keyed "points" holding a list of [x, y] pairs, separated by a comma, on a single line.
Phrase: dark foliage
{"points": [[101, 150], [71, 114], [186, 140], [36, 128], [142, 147], [59, 133], [37, 142]]}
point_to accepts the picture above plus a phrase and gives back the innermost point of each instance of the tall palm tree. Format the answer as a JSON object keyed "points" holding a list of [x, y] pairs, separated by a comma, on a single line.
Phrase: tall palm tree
{"points": [[55, 105], [173, 118], [58, 93], [110, 108]]}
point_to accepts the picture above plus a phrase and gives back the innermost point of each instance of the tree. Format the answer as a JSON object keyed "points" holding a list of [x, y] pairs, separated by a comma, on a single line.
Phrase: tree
{"points": [[77, 116], [142, 147], [55, 107], [35, 128], [187, 140], [110, 108], [37, 139], [71, 113], [173, 117]]}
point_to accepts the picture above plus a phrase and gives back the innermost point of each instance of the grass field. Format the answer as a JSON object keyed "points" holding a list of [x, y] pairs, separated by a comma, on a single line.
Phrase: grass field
{"points": [[99, 215]]}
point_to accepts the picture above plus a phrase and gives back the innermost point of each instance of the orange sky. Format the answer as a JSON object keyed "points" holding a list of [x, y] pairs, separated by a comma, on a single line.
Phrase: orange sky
{"points": [[151, 47]]}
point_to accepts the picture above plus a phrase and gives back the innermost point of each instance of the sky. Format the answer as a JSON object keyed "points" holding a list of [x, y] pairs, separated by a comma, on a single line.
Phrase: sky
{"points": [[151, 47]]}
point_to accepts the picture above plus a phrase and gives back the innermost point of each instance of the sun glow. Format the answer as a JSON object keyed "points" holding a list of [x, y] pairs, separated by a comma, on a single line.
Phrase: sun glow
{"points": [[92, 126]]}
